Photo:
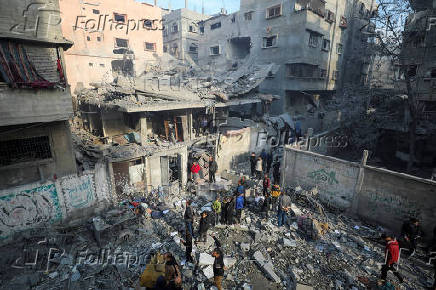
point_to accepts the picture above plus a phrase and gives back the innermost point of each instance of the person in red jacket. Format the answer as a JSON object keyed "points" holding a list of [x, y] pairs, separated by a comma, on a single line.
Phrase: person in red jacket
{"points": [[266, 184], [195, 169], [392, 253]]}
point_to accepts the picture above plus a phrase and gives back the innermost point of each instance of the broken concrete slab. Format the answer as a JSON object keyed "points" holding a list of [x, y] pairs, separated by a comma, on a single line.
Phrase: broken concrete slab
{"points": [[208, 272], [205, 259], [303, 287], [267, 266], [289, 243]]}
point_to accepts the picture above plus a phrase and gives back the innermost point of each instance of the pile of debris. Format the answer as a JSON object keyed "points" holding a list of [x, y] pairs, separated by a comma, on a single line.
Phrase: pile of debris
{"points": [[318, 249]]}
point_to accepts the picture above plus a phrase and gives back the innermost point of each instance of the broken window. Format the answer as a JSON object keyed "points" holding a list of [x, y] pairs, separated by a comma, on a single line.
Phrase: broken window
{"points": [[326, 45], [412, 70], [215, 50], [215, 26], [330, 16], [175, 28], [274, 11], [121, 18], [270, 41], [150, 46], [323, 73], [314, 39], [95, 11], [343, 22], [316, 6], [302, 70], [98, 38], [248, 16], [102, 65], [339, 48], [233, 18], [88, 38], [91, 64], [148, 24], [121, 43], [193, 48], [192, 28], [165, 48], [201, 29], [24, 150]]}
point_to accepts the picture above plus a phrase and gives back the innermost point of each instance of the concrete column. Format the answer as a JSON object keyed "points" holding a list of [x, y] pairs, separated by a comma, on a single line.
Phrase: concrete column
{"points": [[357, 189], [143, 125], [190, 122], [112, 179], [309, 134]]}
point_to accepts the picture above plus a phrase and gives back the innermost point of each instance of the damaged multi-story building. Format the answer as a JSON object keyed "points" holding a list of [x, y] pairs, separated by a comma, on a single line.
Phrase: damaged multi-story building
{"points": [[317, 47], [181, 33], [417, 60], [110, 38], [35, 100]]}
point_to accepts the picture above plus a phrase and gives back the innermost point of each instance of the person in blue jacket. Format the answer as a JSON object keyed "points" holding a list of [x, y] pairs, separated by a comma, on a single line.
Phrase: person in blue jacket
{"points": [[239, 207]]}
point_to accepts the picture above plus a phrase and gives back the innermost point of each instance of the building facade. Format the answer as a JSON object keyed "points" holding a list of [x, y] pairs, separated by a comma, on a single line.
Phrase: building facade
{"points": [[317, 44], [181, 33], [35, 100], [110, 38]]}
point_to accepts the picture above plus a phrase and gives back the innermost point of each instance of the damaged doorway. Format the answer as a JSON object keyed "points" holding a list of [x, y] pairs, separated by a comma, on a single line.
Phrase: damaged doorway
{"points": [[171, 172], [240, 47]]}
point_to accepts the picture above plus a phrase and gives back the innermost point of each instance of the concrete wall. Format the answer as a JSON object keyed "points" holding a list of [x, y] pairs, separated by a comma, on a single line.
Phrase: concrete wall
{"points": [[42, 204], [61, 164], [91, 60], [376, 195]]}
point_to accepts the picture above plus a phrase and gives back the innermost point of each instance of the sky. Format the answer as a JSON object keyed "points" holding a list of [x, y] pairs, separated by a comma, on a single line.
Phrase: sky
{"points": [[210, 6]]}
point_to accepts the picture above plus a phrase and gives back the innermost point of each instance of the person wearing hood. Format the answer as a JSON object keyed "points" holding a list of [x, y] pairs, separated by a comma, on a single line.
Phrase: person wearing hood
{"points": [[392, 256]]}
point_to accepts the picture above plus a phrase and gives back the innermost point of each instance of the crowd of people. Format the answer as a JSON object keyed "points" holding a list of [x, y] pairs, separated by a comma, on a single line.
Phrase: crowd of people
{"points": [[228, 207]]}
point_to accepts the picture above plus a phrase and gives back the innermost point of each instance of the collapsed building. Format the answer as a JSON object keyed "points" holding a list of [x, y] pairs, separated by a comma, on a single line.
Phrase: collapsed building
{"points": [[150, 129], [317, 46]]}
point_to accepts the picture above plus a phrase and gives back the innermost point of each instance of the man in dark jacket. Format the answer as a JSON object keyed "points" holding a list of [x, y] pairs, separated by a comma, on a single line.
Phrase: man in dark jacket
{"points": [[276, 171], [230, 210], [392, 253], [189, 217], [188, 245], [253, 163], [204, 226], [411, 232], [218, 265], [213, 168]]}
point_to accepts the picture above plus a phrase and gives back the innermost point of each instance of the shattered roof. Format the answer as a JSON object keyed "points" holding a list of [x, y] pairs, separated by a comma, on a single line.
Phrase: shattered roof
{"points": [[172, 85]]}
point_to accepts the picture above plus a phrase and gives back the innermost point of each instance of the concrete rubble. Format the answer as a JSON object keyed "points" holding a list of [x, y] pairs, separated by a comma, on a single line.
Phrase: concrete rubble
{"points": [[257, 254]]}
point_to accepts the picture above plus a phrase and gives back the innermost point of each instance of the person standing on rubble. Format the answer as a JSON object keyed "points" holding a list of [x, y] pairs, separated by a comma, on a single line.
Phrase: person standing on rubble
{"points": [[189, 217], [253, 164], [259, 167], [230, 210], [275, 194], [224, 209], [266, 184], [195, 170], [269, 162], [266, 204], [239, 207], [264, 157], [216, 206], [204, 227], [284, 207], [213, 168], [218, 264], [276, 171], [188, 245], [392, 253], [411, 232]]}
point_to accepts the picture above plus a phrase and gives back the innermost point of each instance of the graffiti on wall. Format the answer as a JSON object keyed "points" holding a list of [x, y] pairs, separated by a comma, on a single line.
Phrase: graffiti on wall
{"points": [[78, 192], [25, 208], [392, 204], [323, 176]]}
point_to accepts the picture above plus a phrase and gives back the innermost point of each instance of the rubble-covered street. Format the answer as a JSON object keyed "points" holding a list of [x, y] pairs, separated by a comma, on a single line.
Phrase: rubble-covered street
{"points": [[319, 248]]}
